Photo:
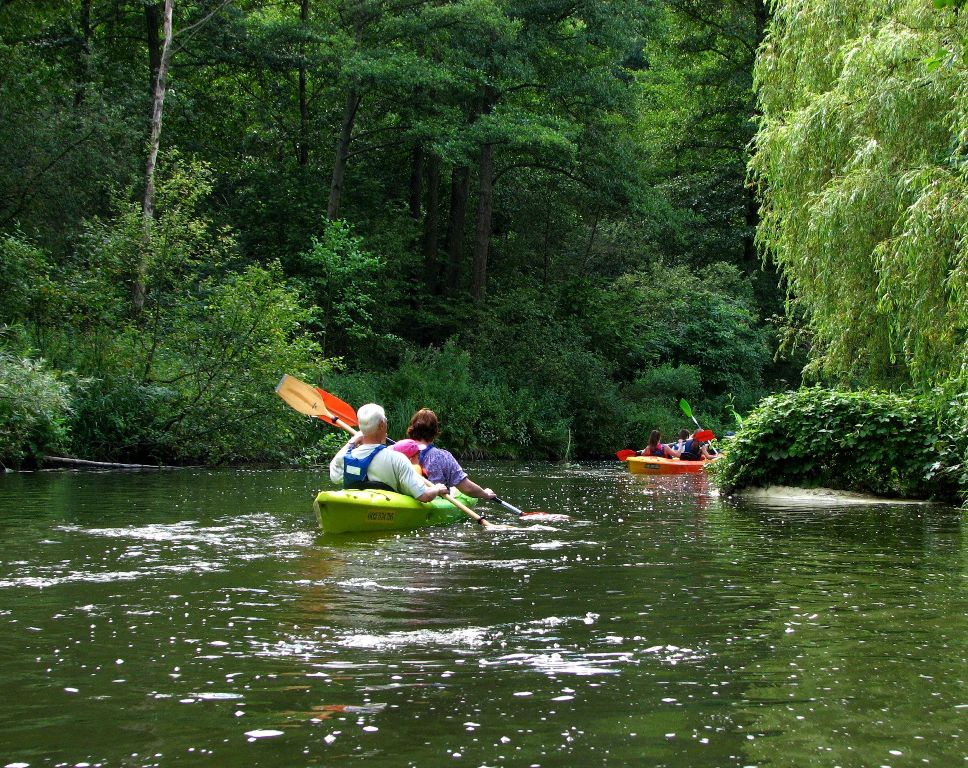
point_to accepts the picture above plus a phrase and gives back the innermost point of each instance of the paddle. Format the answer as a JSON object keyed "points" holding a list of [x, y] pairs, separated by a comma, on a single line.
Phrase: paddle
{"points": [[688, 411], [307, 400], [625, 453], [342, 410], [536, 514]]}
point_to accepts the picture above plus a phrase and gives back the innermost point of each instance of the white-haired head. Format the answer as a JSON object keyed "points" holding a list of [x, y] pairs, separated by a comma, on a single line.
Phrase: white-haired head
{"points": [[371, 416]]}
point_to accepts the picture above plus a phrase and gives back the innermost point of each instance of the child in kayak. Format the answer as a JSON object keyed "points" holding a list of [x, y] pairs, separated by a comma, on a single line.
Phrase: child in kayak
{"points": [[656, 448], [679, 444], [410, 449]]}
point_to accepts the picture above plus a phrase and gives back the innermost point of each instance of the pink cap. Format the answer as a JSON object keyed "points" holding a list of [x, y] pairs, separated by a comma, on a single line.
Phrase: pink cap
{"points": [[408, 447]]}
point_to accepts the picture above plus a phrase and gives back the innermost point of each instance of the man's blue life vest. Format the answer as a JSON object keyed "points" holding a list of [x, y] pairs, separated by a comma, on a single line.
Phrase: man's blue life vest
{"points": [[355, 471]]}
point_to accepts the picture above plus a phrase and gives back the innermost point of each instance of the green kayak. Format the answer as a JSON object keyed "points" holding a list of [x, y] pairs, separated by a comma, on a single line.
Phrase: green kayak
{"points": [[349, 511]]}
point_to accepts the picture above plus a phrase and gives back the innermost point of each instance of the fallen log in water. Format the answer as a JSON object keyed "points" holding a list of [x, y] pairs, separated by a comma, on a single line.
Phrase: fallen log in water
{"points": [[103, 464]]}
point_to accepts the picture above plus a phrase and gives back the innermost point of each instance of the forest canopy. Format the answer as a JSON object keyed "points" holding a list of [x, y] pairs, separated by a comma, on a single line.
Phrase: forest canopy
{"points": [[544, 203]]}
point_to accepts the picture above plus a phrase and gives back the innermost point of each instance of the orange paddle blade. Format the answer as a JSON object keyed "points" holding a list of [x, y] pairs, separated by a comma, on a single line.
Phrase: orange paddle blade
{"points": [[338, 408], [544, 517], [624, 454], [704, 434]]}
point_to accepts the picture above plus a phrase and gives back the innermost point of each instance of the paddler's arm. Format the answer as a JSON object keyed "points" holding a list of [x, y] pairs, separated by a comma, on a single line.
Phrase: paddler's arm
{"points": [[432, 492], [469, 488]]}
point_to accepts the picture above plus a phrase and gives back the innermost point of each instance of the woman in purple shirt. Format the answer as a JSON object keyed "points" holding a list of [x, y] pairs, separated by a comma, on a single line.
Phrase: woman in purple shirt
{"points": [[440, 465]]}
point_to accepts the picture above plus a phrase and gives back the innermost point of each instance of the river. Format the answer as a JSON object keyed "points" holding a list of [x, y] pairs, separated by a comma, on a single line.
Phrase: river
{"points": [[199, 618]]}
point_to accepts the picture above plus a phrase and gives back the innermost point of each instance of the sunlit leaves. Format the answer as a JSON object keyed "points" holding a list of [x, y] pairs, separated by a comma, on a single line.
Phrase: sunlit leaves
{"points": [[869, 441], [859, 164]]}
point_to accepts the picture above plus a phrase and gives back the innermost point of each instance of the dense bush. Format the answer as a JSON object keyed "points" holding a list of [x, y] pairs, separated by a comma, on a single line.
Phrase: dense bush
{"points": [[35, 404], [480, 415], [189, 376], [867, 441]]}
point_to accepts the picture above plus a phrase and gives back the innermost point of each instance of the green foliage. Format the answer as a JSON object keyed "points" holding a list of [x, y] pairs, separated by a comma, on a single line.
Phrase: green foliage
{"points": [[35, 406], [480, 415], [26, 279], [539, 346], [345, 283], [873, 442], [860, 164], [187, 378], [197, 388], [956, 409], [618, 132], [673, 315]]}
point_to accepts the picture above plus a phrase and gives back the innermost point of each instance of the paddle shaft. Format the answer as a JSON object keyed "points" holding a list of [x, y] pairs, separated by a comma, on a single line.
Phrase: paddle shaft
{"points": [[509, 507]]}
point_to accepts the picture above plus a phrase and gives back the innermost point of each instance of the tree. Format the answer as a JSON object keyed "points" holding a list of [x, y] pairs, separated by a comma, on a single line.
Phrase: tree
{"points": [[860, 166]]}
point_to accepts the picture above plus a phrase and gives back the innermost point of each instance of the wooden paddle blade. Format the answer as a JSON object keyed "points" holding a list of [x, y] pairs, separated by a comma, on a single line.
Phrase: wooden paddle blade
{"points": [[625, 454], [302, 397], [336, 406]]}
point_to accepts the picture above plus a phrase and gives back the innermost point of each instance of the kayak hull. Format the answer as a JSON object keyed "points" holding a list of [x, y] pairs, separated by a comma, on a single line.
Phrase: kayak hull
{"points": [[656, 465], [356, 511]]}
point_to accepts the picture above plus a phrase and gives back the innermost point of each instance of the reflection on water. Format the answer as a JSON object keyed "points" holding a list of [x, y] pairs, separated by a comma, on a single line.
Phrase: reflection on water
{"points": [[200, 617]]}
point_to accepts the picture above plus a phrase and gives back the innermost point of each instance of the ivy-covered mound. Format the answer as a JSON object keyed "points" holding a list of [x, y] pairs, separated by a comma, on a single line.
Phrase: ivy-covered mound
{"points": [[870, 442]]}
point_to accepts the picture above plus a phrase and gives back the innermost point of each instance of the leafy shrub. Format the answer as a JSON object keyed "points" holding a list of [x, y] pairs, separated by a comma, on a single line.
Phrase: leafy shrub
{"points": [[956, 408], [35, 404], [671, 315], [189, 377], [480, 415], [344, 282], [667, 382], [873, 442], [26, 282]]}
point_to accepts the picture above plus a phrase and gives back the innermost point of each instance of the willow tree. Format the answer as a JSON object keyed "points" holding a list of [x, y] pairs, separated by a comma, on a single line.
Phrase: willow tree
{"points": [[860, 162]]}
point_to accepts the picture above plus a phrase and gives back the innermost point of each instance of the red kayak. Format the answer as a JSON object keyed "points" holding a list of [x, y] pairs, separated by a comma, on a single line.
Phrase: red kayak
{"points": [[656, 465]]}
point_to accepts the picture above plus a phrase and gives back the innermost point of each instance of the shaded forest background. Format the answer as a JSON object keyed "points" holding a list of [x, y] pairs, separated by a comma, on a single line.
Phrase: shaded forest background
{"points": [[531, 215]]}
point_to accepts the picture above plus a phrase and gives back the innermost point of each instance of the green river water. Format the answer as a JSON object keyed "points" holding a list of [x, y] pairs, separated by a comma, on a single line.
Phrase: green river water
{"points": [[199, 618]]}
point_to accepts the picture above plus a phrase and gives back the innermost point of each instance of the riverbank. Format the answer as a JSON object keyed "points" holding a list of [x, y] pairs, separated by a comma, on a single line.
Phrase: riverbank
{"points": [[786, 493]]}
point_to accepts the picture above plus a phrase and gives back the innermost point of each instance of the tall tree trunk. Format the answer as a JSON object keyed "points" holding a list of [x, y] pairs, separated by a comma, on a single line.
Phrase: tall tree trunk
{"points": [[460, 184], [485, 211], [432, 222], [416, 180], [159, 83], [154, 21], [353, 98], [303, 96]]}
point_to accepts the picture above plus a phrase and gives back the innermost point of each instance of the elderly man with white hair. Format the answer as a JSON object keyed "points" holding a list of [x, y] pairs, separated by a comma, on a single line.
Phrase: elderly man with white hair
{"points": [[364, 463]]}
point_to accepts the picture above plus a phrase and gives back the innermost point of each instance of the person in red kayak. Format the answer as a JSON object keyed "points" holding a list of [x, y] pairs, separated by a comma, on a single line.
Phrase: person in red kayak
{"points": [[364, 463], [695, 448], [439, 465], [657, 448]]}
